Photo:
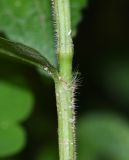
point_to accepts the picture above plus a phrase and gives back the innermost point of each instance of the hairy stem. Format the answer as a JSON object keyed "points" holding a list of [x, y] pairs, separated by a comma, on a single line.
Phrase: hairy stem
{"points": [[63, 84], [65, 121]]}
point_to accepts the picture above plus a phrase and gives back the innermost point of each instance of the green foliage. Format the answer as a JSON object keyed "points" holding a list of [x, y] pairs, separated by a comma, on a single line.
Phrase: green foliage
{"points": [[76, 8], [30, 23], [26, 54], [15, 106], [15, 102], [12, 139], [105, 135], [100, 135]]}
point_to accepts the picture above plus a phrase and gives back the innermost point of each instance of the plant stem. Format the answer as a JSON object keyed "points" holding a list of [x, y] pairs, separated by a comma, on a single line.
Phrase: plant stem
{"points": [[65, 122], [63, 84]]}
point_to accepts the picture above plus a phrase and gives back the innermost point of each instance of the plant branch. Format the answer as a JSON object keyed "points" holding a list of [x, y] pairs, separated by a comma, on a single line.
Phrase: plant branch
{"points": [[64, 85]]}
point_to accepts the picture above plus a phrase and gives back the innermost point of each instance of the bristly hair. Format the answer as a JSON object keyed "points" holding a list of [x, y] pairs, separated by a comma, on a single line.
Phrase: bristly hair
{"points": [[56, 37], [76, 81]]}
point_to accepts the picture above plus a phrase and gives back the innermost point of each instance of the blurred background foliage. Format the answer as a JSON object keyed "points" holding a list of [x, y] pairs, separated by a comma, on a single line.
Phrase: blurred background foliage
{"points": [[28, 119]]}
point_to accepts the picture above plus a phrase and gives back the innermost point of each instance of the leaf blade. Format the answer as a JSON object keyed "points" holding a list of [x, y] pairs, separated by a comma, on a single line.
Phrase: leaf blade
{"points": [[25, 53], [11, 134], [31, 23], [106, 134]]}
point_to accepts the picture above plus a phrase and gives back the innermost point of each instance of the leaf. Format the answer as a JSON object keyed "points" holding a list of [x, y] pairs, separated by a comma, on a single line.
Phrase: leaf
{"points": [[76, 15], [30, 23], [18, 105], [12, 139], [103, 134], [25, 53]]}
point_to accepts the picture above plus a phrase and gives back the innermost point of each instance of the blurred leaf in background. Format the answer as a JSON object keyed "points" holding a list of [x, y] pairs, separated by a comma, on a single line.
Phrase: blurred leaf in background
{"points": [[16, 104], [12, 139], [103, 136]]}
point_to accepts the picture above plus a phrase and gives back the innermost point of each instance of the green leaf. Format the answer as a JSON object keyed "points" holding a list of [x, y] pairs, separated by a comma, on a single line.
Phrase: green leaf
{"points": [[12, 139], [25, 53], [30, 23], [103, 134], [76, 15], [15, 102]]}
